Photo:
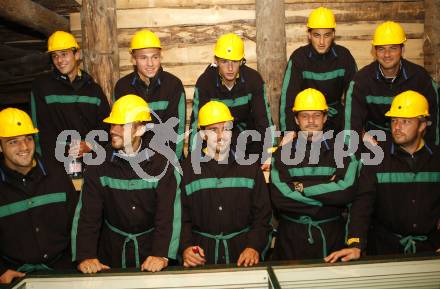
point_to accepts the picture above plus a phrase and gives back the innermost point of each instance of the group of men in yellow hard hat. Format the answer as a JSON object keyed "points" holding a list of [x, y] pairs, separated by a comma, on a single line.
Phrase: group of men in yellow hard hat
{"points": [[137, 210]]}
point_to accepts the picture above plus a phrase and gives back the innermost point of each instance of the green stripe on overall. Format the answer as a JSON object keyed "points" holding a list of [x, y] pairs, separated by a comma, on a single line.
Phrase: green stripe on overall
{"points": [[27, 268], [128, 238], [332, 111], [409, 242], [306, 220], [30, 203], [224, 239]]}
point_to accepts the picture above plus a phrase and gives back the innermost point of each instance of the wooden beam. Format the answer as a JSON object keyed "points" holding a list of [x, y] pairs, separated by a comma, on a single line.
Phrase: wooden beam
{"points": [[33, 15], [8, 52], [271, 49], [431, 45], [28, 64], [100, 42], [295, 13]]}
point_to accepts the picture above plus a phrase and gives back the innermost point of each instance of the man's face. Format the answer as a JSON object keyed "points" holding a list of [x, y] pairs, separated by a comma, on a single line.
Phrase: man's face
{"points": [[321, 39], [311, 121], [147, 61], [66, 61], [18, 152], [228, 69], [407, 131], [218, 137], [389, 55], [123, 135]]}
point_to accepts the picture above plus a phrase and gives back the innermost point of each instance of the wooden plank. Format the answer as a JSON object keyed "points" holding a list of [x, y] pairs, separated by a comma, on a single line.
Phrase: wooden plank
{"points": [[131, 4], [188, 73], [353, 31], [295, 13], [178, 36], [402, 11], [189, 54], [159, 17], [181, 36]]}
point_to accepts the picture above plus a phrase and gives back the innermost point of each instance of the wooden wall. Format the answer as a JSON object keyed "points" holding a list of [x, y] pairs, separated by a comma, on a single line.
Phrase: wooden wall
{"points": [[188, 29]]}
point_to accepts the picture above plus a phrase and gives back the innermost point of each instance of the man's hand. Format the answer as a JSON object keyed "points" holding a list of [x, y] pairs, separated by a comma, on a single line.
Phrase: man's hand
{"points": [[9, 275], [368, 138], [346, 254], [265, 167], [89, 266], [438, 250], [154, 264], [248, 257], [78, 149], [288, 137], [193, 256]]}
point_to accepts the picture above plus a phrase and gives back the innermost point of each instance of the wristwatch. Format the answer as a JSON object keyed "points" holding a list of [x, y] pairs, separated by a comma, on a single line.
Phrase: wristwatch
{"points": [[299, 187]]}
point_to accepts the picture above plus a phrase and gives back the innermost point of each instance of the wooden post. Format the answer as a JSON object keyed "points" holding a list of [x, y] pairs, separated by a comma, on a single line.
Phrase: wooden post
{"points": [[33, 15], [431, 45], [271, 49], [100, 42]]}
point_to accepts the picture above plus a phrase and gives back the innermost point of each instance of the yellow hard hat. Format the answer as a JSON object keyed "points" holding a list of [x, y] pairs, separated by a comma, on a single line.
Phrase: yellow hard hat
{"points": [[389, 33], [15, 122], [61, 40], [229, 46], [144, 39], [408, 104], [310, 99], [321, 18], [214, 112], [129, 108]]}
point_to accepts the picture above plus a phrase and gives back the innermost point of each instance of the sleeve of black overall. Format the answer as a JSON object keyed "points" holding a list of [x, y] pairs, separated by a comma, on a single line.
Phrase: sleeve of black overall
{"points": [[259, 236], [350, 70], [355, 116], [177, 109], [88, 218], [261, 115], [362, 208], [118, 91], [292, 85], [39, 113], [72, 196], [186, 238], [431, 93], [201, 97], [103, 111], [168, 218]]}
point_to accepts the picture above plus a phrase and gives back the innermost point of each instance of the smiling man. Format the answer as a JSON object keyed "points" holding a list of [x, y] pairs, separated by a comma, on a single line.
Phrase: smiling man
{"points": [[66, 99], [162, 90], [403, 191], [311, 196], [37, 202], [226, 207], [323, 65], [373, 88], [129, 210]]}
